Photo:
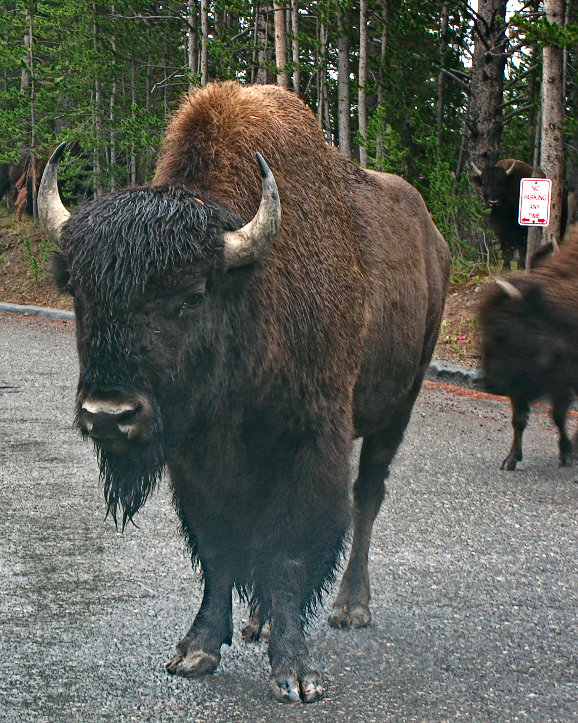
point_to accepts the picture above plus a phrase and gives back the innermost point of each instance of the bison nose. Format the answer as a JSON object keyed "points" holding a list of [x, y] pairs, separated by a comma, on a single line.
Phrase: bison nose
{"points": [[108, 420]]}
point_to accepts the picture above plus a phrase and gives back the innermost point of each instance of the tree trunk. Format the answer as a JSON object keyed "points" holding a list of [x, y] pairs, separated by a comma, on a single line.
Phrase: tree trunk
{"points": [[441, 77], [192, 41], [362, 93], [262, 75], [204, 37], [343, 106], [484, 117], [280, 16], [295, 45], [552, 145], [111, 107], [97, 112], [379, 142], [133, 158], [32, 162]]}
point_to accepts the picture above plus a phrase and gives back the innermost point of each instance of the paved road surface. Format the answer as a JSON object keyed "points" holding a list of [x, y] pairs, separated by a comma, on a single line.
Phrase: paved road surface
{"points": [[474, 576]]}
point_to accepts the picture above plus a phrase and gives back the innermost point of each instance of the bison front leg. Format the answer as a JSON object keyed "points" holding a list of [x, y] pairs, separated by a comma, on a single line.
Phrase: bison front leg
{"points": [[520, 413], [199, 652], [293, 676]]}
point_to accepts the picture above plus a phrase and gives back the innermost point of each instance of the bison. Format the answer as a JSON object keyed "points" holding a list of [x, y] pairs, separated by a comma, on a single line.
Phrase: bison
{"points": [[529, 341], [501, 188], [241, 333]]}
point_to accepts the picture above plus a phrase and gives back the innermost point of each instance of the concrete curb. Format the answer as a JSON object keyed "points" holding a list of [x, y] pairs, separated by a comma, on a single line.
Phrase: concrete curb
{"points": [[40, 312], [448, 373], [438, 371]]}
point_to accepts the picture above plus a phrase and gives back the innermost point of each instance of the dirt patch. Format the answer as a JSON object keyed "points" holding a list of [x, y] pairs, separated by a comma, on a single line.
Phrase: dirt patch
{"points": [[25, 265], [25, 279], [459, 337]]}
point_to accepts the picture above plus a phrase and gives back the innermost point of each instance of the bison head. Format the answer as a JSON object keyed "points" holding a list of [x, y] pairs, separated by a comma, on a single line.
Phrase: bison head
{"points": [[496, 184], [157, 275]]}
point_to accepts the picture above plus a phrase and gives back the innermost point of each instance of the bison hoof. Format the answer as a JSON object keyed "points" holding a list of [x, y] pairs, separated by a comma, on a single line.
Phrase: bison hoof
{"points": [[254, 632], [509, 463], [346, 617], [293, 689], [193, 664]]}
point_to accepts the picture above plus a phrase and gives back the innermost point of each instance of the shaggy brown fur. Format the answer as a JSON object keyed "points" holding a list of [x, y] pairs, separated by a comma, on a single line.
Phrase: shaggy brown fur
{"points": [[252, 390], [530, 341]]}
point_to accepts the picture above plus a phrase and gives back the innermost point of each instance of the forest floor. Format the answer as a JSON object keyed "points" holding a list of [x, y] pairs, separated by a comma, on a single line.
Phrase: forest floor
{"points": [[25, 279]]}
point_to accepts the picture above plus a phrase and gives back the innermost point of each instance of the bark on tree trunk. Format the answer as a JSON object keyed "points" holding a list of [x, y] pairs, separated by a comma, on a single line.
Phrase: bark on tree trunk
{"points": [[192, 41], [295, 45], [204, 36], [362, 92], [343, 87], [262, 74], [441, 77], [552, 160], [280, 14], [379, 143], [484, 117], [97, 112]]}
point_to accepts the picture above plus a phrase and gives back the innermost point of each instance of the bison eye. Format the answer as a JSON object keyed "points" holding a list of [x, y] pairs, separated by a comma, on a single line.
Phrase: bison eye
{"points": [[191, 303], [192, 298]]}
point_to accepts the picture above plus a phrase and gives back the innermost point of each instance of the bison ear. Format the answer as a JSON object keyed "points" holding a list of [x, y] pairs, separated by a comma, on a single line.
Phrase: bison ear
{"points": [[60, 273]]}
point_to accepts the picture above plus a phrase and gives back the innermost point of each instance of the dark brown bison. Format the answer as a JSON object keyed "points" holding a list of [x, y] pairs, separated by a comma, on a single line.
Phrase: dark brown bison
{"points": [[529, 328], [20, 180], [501, 188], [242, 334]]}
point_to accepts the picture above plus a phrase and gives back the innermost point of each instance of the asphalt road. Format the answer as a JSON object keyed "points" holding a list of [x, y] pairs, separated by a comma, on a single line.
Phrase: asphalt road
{"points": [[474, 576]]}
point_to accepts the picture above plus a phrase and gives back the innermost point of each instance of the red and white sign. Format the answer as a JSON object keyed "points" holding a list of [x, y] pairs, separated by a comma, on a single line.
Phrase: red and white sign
{"points": [[534, 209]]}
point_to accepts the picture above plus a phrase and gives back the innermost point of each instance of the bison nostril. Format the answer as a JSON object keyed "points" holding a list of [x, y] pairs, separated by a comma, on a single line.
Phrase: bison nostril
{"points": [[111, 408], [128, 417]]}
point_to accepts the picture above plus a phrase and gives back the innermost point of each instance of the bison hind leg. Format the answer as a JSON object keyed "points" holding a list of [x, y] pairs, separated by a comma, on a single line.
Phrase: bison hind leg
{"points": [[351, 606], [256, 629], [559, 413]]}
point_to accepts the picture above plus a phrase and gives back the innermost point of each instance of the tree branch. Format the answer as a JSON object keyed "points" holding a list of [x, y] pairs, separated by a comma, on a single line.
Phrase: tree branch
{"points": [[514, 113]]}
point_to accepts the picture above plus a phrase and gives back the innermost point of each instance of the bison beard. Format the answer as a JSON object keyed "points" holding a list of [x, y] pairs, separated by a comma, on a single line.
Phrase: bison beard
{"points": [[128, 480]]}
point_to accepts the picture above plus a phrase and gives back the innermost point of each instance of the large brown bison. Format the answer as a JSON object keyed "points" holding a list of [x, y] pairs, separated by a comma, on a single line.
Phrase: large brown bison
{"points": [[241, 334], [529, 328], [501, 189]]}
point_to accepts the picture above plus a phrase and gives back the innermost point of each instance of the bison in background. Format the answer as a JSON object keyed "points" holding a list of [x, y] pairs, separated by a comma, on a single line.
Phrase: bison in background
{"points": [[241, 332], [20, 180], [500, 186], [529, 341]]}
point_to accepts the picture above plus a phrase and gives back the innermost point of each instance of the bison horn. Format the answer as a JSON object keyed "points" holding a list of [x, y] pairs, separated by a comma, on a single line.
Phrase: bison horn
{"points": [[510, 289], [511, 168], [249, 243], [51, 210], [475, 169]]}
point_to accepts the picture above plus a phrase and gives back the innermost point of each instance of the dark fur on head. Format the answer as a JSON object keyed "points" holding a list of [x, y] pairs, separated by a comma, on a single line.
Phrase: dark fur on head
{"points": [[163, 229]]}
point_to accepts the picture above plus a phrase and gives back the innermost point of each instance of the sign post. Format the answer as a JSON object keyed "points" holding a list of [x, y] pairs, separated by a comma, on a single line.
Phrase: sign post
{"points": [[534, 208]]}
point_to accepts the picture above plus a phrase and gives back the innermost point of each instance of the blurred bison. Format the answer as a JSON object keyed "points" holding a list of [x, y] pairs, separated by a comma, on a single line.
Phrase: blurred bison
{"points": [[529, 338], [246, 358]]}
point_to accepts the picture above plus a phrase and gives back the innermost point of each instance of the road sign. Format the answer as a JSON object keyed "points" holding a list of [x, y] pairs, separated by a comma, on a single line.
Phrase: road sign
{"points": [[534, 209]]}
